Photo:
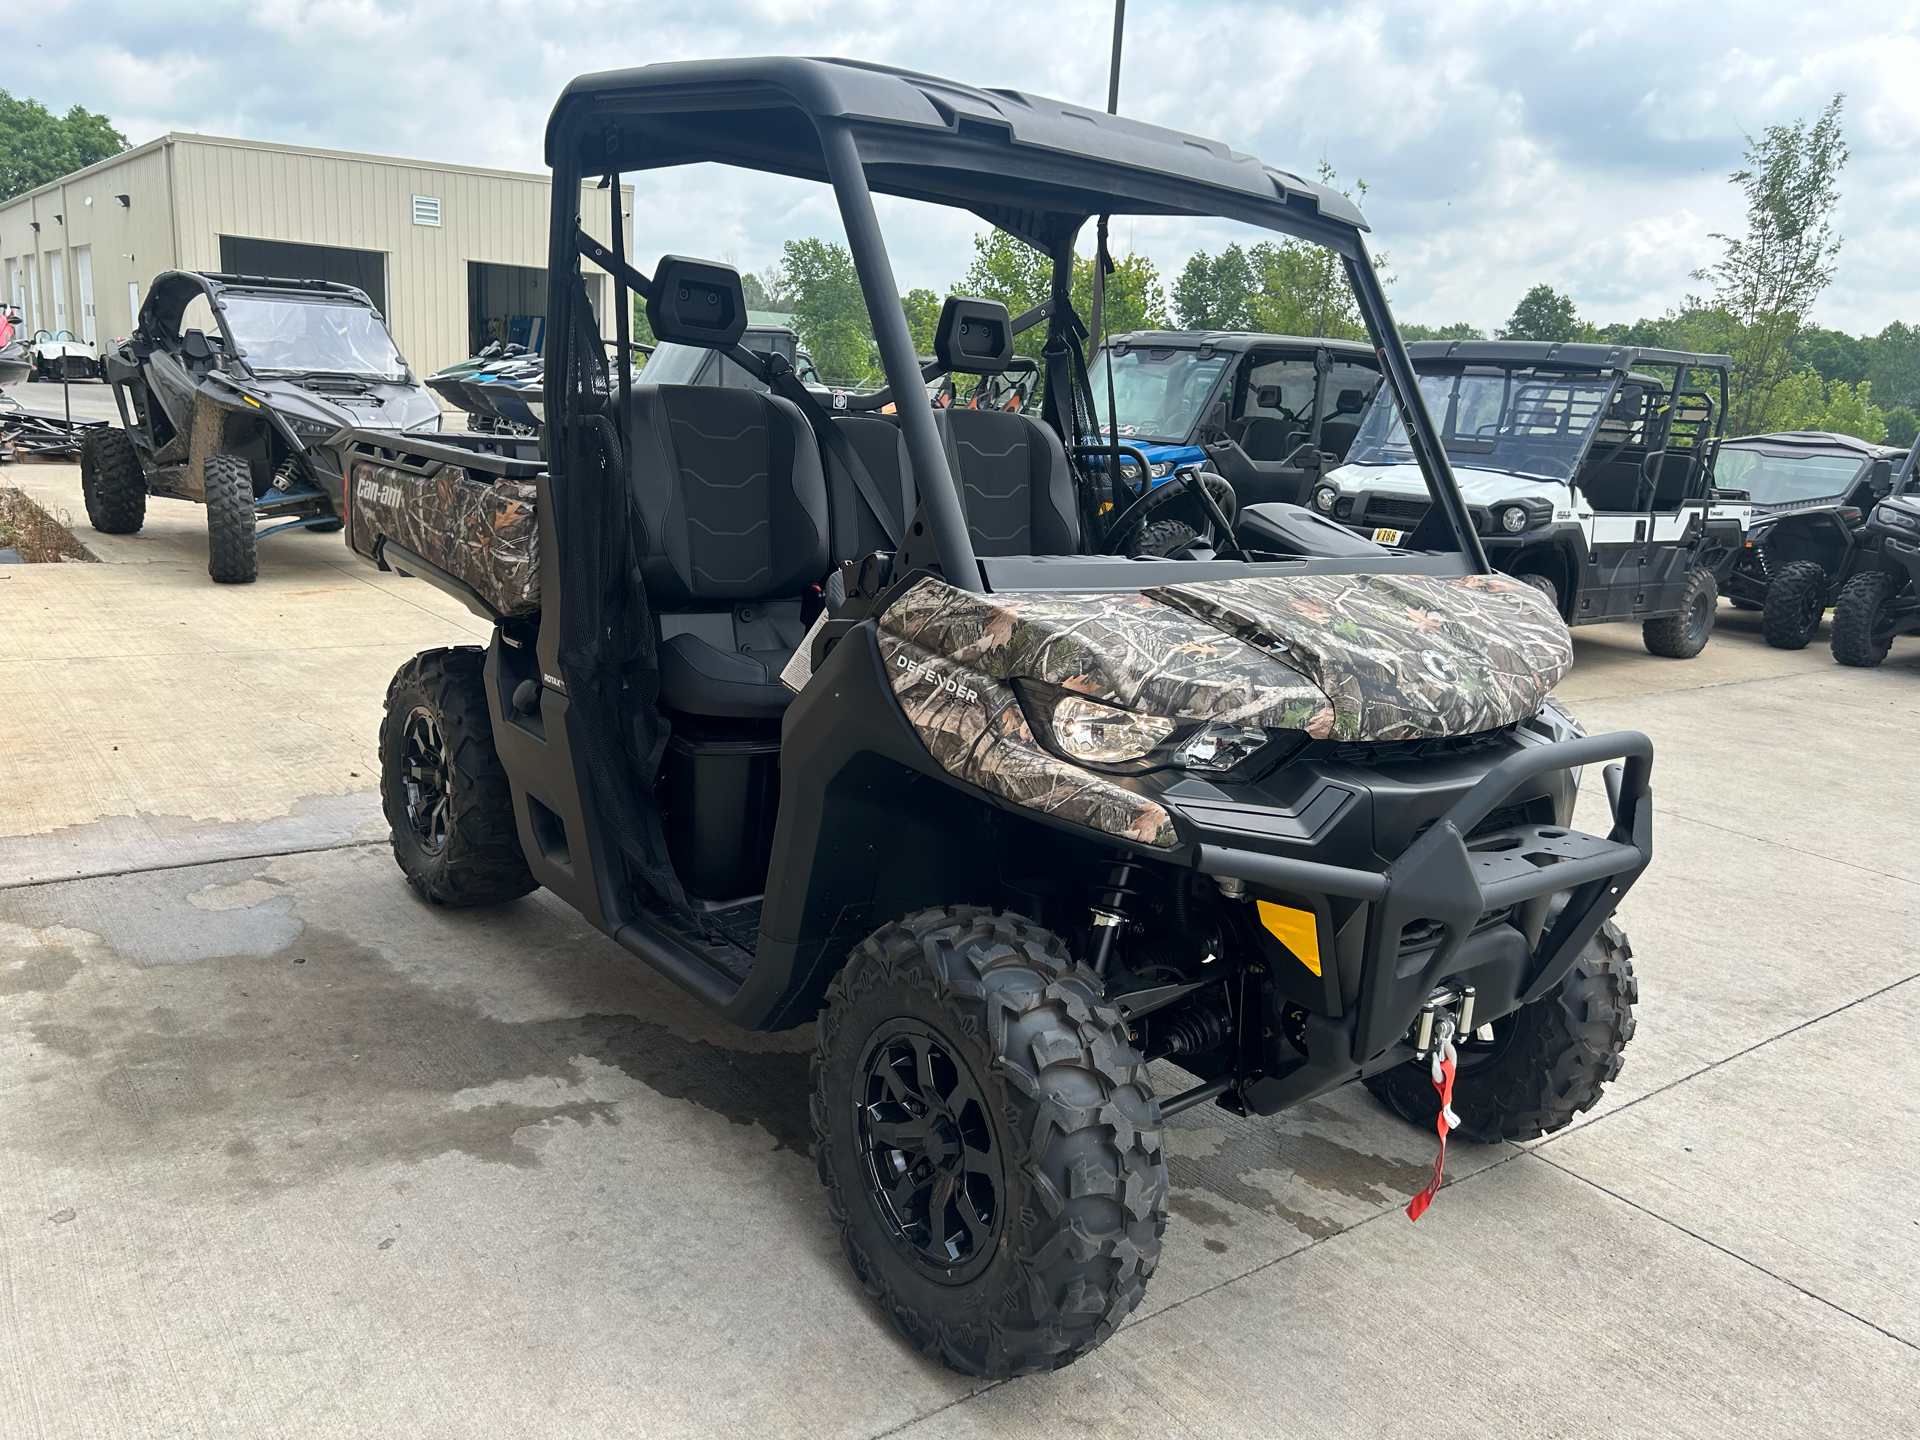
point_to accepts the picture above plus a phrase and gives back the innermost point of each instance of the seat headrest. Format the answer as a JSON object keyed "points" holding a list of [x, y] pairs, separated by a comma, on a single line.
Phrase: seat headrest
{"points": [[975, 337], [696, 302]]}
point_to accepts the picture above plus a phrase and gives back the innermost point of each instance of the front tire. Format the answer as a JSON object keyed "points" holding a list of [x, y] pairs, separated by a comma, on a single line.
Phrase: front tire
{"points": [[988, 1141], [1861, 635], [1546, 1062], [232, 556], [112, 483], [442, 786], [1796, 600], [1684, 635]]}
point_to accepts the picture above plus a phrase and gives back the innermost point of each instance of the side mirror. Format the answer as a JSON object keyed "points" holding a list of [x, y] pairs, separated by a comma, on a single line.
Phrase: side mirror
{"points": [[1267, 397], [1882, 481], [1350, 402]]}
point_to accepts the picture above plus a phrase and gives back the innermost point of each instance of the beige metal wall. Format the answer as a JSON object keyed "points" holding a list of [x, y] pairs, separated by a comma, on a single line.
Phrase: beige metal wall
{"points": [[186, 191]]}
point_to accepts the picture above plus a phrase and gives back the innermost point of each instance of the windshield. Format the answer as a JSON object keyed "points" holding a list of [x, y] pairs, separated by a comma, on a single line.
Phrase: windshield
{"points": [[1158, 393], [1519, 421], [673, 364], [309, 336], [1779, 479]]}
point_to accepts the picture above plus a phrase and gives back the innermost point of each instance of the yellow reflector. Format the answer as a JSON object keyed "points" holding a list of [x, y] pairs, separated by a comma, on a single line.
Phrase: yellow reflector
{"points": [[251, 401], [1298, 930]]}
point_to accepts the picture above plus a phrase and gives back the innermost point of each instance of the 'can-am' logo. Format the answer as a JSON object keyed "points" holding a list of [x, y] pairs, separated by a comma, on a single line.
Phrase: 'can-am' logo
{"points": [[918, 670], [371, 491]]}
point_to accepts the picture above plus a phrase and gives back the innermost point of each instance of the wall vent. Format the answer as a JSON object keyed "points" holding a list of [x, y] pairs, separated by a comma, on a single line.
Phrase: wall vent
{"points": [[426, 209]]}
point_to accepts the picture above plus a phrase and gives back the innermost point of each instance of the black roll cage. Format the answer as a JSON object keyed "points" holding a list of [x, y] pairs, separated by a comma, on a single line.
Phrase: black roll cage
{"points": [[1035, 168]]}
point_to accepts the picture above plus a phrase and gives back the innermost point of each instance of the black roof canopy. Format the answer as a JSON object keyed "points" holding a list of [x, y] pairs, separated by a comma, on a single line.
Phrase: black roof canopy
{"points": [[1238, 341], [1036, 167], [1816, 442], [1557, 354]]}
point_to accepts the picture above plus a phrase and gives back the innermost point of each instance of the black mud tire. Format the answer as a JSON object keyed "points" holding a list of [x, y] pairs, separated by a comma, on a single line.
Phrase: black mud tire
{"points": [[1074, 1129], [443, 788], [1547, 1062], [1164, 538], [1684, 635], [1861, 636], [1796, 599], [232, 555], [112, 483]]}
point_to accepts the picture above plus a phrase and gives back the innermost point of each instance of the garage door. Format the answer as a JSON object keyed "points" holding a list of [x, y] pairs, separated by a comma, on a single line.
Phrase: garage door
{"points": [[285, 260]]}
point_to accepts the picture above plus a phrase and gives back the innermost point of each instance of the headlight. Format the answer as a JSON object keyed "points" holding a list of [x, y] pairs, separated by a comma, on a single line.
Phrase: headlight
{"points": [[1220, 746], [1513, 519], [1895, 519], [1323, 499], [1087, 730], [311, 429], [1162, 470]]}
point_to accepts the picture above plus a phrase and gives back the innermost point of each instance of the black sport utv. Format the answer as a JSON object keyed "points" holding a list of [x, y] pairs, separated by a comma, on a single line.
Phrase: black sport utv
{"points": [[1810, 490], [1586, 470], [236, 417], [852, 718], [1882, 600]]}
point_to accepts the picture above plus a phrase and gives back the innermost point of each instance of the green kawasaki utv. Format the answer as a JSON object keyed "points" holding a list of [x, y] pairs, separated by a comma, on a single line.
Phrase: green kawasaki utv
{"points": [[858, 715]]}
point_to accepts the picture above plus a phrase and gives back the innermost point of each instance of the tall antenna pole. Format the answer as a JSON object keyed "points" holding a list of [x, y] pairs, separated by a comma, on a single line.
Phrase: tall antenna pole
{"points": [[1101, 262], [1113, 79]]}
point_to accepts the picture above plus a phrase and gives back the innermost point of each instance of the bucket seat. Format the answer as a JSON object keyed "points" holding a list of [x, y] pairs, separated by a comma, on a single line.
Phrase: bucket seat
{"points": [[1014, 482], [730, 528]]}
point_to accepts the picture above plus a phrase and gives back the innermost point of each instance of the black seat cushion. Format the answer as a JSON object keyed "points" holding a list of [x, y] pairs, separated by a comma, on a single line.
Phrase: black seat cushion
{"points": [[877, 440], [1014, 483], [728, 662], [729, 499], [1268, 437]]}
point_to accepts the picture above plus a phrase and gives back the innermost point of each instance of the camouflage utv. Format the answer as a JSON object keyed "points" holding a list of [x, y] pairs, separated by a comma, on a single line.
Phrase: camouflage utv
{"points": [[860, 718]]}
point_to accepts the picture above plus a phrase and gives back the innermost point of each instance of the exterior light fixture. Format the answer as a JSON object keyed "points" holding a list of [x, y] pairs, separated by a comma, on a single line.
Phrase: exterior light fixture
{"points": [[126, 201]]}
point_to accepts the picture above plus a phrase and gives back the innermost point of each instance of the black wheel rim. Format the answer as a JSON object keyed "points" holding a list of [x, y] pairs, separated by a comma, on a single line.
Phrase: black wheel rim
{"points": [[423, 764], [1812, 609], [1476, 1053], [933, 1162]]}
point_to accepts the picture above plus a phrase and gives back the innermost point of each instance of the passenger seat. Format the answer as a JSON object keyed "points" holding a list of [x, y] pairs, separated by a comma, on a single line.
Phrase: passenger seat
{"points": [[1014, 483], [730, 514]]}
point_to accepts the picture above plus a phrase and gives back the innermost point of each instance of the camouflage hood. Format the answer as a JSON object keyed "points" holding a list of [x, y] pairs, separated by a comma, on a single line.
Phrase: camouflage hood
{"points": [[1371, 657], [1344, 657]]}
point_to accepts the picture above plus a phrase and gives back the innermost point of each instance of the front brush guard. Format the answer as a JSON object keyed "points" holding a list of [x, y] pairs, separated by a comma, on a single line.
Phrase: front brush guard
{"points": [[1439, 878]]}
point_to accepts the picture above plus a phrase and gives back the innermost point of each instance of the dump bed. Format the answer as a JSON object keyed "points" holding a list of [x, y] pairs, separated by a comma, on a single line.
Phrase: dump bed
{"points": [[456, 510]]}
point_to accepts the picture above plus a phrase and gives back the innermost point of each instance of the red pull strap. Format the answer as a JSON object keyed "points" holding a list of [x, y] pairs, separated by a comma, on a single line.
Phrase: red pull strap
{"points": [[1444, 1061]]}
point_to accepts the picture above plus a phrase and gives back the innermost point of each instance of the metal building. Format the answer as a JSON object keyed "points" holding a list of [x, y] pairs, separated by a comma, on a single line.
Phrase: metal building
{"points": [[453, 255]]}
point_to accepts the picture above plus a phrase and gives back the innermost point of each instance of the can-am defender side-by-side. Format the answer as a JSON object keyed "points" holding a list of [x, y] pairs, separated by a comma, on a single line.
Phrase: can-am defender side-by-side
{"points": [[851, 717], [1882, 600], [1267, 412], [1810, 492], [237, 419], [1587, 469]]}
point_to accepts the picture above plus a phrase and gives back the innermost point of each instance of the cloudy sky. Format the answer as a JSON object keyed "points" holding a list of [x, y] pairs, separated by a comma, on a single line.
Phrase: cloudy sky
{"points": [[1503, 144]]}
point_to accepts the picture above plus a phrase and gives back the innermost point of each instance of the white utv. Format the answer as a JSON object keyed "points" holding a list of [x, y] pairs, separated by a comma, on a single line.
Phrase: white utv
{"points": [[1588, 471]]}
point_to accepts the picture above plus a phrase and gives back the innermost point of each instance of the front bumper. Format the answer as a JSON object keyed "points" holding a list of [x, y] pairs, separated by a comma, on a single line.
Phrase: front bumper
{"points": [[1446, 883]]}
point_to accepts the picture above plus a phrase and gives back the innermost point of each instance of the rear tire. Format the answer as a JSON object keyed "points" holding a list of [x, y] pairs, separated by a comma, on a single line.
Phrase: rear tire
{"points": [[988, 1140], [1547, 1062], [442, 786], [1685, 635], [232, 556], [112, 483], [1796, 600], [1861, 637], [1165, 538]]}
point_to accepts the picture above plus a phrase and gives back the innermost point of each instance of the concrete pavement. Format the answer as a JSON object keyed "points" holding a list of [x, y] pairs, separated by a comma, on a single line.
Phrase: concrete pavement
{"points": [[284, 1151]]}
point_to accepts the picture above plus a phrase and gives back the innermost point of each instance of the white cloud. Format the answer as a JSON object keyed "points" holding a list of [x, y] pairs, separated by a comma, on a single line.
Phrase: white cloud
{"points": [[1586, 144]]}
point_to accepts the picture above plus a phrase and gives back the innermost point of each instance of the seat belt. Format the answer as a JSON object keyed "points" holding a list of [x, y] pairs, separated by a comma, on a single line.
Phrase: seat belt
{"points": [[778, 376]]}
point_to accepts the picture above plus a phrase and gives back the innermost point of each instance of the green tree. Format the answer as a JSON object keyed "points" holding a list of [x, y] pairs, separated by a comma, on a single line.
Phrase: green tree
{"points": [[923, 318], [822, 291], [1459, 330], [1894, 366], [1134, 299], [1768, 279], [37, 146], [1216, 292], [1803, 401], [1834, 353], [1545, 314], [1903, 425]]}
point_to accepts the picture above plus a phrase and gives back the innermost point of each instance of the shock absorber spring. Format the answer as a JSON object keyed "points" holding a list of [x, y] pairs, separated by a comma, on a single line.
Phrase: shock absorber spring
{"points": [[1109, 912]]}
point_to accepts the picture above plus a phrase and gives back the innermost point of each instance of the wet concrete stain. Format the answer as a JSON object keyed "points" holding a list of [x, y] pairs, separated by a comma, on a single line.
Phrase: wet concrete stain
{"points": [[286, 1074], [1186, 1174]]}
